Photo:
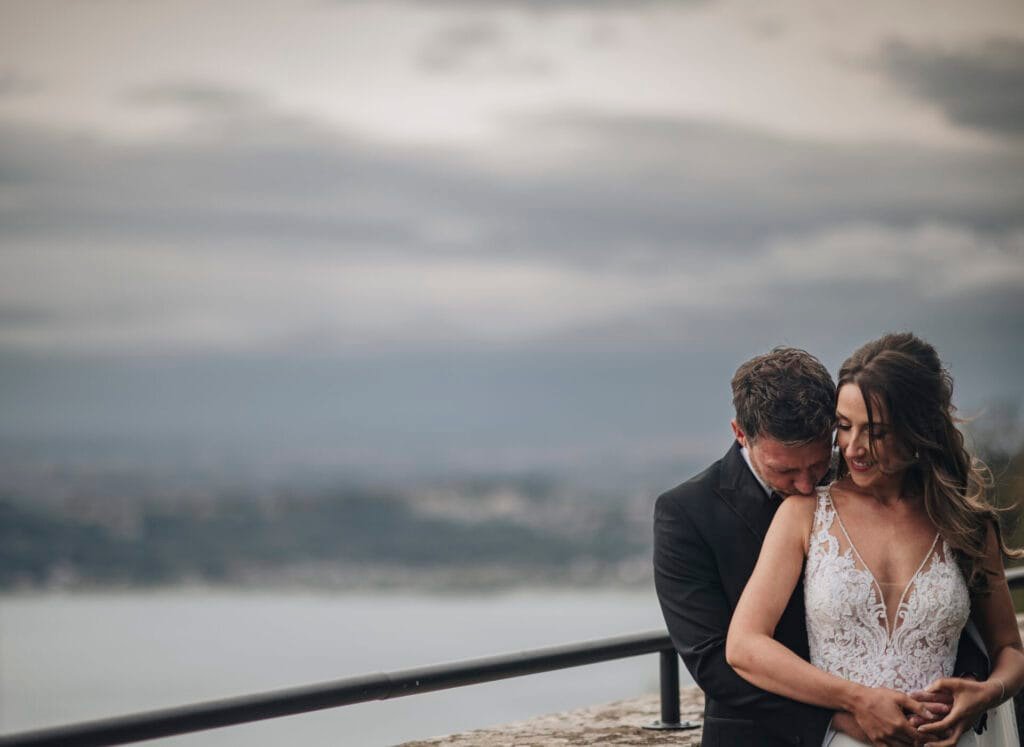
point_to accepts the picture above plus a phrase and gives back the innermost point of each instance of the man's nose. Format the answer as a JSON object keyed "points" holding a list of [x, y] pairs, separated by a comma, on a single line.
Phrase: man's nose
{"points": [[804, 484]]}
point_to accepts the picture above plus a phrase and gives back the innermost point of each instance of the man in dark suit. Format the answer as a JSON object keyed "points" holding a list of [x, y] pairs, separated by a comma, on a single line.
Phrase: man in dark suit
{"points": [[708, 533]]}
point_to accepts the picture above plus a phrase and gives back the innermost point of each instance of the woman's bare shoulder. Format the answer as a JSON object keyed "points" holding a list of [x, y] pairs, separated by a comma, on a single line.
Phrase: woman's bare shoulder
{"points": [[799, 505], [797, 513]]}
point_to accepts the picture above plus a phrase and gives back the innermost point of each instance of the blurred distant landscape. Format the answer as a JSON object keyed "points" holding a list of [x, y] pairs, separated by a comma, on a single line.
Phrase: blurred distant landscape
{"points": [[98, 525], [98, 522]]}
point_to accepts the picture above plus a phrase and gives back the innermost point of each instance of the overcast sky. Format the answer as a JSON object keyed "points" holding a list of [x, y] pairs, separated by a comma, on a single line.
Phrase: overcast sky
{"points": [[493, 233]]}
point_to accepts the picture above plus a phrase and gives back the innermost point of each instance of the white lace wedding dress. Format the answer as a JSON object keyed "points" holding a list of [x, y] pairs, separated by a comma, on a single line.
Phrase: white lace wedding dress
{"points": [[852, 635]]}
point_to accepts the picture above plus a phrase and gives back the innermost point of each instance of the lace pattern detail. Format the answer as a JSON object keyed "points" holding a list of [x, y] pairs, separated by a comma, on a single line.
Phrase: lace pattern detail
{"points": [[847, 623]]}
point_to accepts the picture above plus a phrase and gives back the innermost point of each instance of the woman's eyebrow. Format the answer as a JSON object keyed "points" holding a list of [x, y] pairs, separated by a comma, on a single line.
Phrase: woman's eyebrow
{"points": [[875, 424]]}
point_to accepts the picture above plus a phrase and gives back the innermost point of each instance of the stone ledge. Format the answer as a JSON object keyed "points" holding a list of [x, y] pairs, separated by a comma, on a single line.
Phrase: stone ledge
{"points": [[618, 723]]}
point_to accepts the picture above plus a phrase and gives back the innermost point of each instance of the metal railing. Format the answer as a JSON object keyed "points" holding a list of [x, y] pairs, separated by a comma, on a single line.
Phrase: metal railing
{"points": [[1015, 577], [379, 686]]}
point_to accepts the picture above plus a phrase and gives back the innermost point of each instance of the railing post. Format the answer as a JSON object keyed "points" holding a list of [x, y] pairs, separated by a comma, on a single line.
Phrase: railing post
{"points": [[669, 667], [669, 676]]}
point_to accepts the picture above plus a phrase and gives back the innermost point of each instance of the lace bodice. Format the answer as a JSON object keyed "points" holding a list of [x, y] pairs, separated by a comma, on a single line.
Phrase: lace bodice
{"points": [[848, 625]]}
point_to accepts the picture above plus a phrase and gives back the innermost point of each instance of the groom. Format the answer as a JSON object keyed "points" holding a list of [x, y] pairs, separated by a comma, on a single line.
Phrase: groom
{"points": [[708, 533]]}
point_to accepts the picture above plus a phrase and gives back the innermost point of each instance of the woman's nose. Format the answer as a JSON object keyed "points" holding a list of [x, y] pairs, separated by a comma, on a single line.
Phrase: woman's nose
{"points": [[855, 445]]}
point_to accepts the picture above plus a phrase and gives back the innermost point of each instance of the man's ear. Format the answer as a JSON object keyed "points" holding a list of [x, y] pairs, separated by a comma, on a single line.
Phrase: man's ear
{"points": [[738, 432]]}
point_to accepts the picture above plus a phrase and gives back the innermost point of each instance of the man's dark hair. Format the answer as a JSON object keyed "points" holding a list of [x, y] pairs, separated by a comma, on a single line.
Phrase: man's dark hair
{"points": [[786, 395]]}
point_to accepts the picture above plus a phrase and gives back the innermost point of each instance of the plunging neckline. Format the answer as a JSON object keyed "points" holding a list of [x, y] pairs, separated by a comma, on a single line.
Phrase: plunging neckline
{"points": [[848, 631], [890, 628]]}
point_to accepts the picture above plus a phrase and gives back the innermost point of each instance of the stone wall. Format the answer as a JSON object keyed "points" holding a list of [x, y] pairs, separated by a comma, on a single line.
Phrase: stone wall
{"points": [[619, 723]]}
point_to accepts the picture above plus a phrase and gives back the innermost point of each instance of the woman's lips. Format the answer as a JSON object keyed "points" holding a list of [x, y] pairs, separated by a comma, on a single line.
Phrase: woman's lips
{"points": [[860, 465]]}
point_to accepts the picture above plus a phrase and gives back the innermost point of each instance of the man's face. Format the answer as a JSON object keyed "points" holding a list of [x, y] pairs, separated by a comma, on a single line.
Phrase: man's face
{"points": [[787, 469]]}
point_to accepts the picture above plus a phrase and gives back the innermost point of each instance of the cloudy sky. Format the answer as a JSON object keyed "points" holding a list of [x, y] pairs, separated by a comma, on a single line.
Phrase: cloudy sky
{"points": [[492, 233]]}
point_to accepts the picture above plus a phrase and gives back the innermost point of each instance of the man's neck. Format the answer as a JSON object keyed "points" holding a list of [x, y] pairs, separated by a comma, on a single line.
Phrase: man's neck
{"points": [[746, 458]]}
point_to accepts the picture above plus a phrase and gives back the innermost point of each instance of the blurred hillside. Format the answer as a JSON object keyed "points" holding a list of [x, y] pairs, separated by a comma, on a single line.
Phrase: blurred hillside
{"points": [[95, 522], [467, 533]]}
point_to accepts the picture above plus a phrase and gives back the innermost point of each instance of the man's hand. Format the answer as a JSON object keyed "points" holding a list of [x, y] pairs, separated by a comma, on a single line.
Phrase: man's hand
{"points": [[845, 723], [882, 715], [938, 702], [946, 738]]}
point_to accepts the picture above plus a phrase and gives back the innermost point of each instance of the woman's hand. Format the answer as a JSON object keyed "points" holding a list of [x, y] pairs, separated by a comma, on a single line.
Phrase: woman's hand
{"points": [[970, 699]]}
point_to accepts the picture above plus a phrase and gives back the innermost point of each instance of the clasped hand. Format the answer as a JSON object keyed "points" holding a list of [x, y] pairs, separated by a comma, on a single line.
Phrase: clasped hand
{"points": [[887, 717], [968, 699], [937, 715]]}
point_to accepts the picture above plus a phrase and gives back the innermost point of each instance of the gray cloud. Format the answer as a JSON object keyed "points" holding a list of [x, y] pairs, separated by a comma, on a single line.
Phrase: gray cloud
{"points": [[678, 183], [25, 314], [576, 231], [556, 6], [981, 88], [312, 291], [768, 27], [202, 97], [480, 47], [14, 83], [574, 187], [455, 46]]}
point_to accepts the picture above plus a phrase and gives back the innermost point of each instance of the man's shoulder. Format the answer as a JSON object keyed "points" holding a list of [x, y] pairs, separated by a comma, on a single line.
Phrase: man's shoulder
{"points": [[696, 489]]}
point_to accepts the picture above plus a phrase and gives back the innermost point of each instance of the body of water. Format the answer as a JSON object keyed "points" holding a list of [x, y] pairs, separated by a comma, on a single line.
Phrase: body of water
{"points": [[69, 657]]}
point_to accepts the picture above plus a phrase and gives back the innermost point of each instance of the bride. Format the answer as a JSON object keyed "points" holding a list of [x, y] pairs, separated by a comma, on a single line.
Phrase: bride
{"points": [[899, 551]]}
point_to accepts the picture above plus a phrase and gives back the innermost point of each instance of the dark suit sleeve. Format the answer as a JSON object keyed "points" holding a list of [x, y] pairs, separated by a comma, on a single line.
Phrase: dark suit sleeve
{"points": [[972, 661], [971, 657], [697, 613]]}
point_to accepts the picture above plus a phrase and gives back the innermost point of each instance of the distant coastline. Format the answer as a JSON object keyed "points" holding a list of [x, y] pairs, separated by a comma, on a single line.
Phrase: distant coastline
{"points": [[469, 536]]}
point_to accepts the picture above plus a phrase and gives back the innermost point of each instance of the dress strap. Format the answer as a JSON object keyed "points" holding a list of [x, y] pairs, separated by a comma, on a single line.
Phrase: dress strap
{"points": [[825, 511], [824, 515]]}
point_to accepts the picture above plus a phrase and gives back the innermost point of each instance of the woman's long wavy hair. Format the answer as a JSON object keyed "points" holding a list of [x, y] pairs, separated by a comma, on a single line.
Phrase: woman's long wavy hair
{"points": [[902, 375]]}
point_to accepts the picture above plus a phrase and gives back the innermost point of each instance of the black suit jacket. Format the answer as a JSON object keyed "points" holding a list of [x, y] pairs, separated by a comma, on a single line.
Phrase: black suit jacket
{"points": [[707, 536]]}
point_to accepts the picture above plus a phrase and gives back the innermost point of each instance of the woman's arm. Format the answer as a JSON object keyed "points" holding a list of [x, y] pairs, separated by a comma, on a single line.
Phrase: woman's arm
{"points": [[997, 623], [763, 661]]}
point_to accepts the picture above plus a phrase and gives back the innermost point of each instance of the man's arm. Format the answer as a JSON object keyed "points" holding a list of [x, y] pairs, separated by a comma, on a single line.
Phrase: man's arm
{"points": [[697, 614]]}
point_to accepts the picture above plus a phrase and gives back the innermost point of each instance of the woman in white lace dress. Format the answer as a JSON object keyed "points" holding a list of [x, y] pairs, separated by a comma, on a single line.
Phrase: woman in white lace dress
{"points": [[896, 554]]}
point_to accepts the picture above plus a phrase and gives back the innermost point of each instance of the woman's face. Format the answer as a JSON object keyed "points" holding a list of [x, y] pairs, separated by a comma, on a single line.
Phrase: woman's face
{"points": [[857, 438]]}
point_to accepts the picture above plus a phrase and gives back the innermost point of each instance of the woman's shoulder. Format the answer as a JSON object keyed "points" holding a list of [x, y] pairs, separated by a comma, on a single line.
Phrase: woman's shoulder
{"points": [[795, 519], [798, 510], [798, 505]]}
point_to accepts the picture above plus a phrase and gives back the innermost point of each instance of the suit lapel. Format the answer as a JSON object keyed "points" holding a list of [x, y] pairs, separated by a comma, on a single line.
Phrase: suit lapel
{"points": [[743, 493]]}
